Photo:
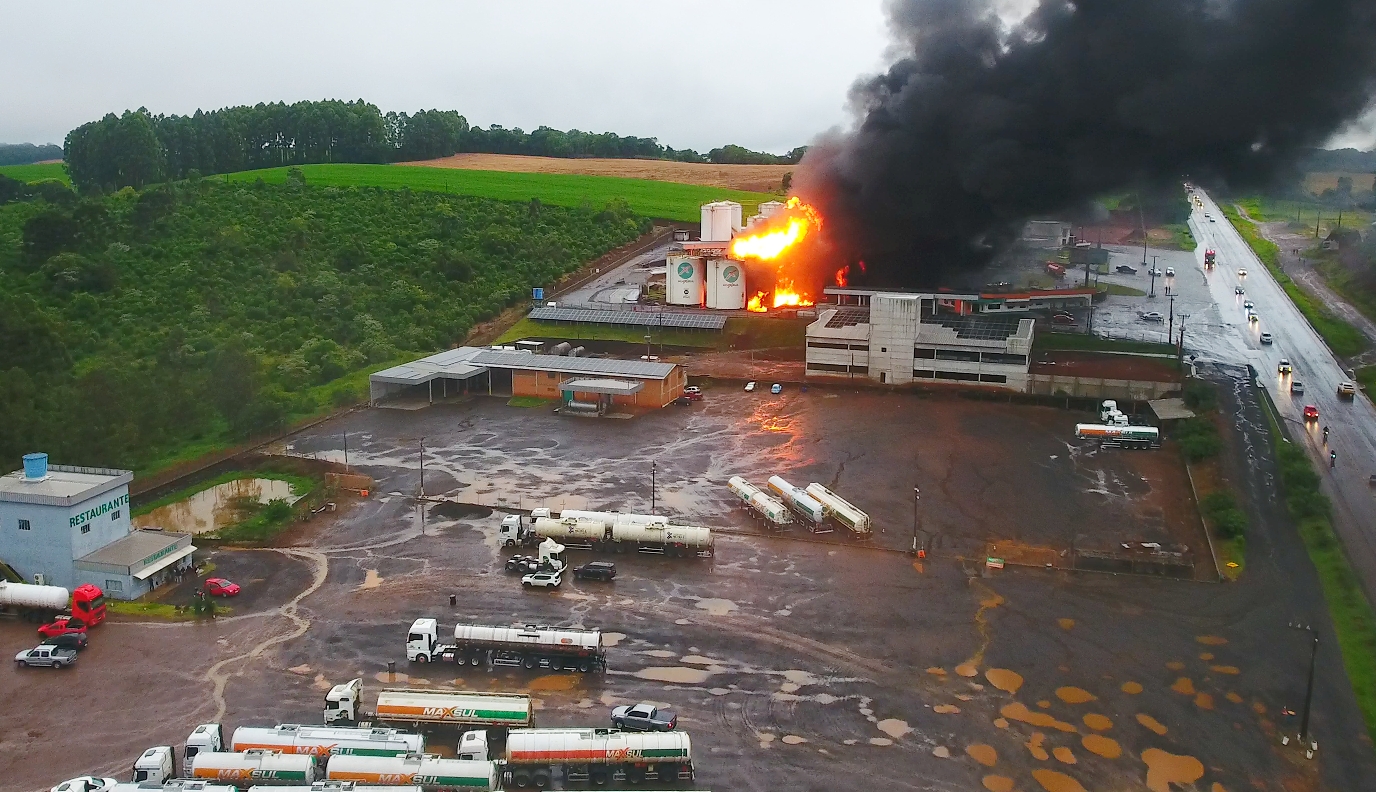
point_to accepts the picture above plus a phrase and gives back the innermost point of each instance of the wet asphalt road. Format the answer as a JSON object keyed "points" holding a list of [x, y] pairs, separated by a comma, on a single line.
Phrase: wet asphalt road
{"points": [[1352, 423]]}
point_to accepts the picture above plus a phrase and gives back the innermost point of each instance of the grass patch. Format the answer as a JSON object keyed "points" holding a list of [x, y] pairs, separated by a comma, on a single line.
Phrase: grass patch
{"points": [[300, 485], [1119, 290], [1079, 342], [739, 333], [1342, 280], [1344, 339], [55, 171], [1366, 377], [158, 610], [1181, 236], [526, 401], [666, 200]]}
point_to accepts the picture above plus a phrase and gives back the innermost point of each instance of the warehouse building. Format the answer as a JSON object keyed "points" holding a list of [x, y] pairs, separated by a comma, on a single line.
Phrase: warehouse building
{"points": [[63, 526], [511, 372]]}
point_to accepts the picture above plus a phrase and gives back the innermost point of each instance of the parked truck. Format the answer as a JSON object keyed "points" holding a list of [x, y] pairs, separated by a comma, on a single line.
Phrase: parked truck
{"points": [[264, 767], [842, 511], [533, 756], [174, 785], [530, 646], [797, 499], [1123, 436], [426, 771], [323, 741], [335, 786], [155, 765], [40, 603], [607, 532], [421, 708], [760, 503]]}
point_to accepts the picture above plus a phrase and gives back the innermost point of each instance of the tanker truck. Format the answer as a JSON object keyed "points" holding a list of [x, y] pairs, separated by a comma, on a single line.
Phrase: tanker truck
{"points": [[43, 603], [607, 532], [424, 770], [264, 767], [1123, 436], [435, 708], [797, 499], [761, 503], [841, 510], [335, 786], [534, 756], [172, 785], [530, 646], [326, 741]]}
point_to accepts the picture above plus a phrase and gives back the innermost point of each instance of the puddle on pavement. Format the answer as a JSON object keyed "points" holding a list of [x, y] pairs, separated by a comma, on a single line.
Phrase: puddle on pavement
{"points": [[765, 739], [1131, 688], [1003, 679], [797, 677], [214, 508], [984, 754], [1164, 769], [1100, 745], [946, 709], [935, 671], [1044, 704], [1034, 744], [941, 752], [1184, 686], [661, 653], [1053, 781], [1000, 723], [967, 670], [1175, 665], [680, 674], [1225, 669], [1233, 697], [554, 682], [998, 783], [1063, 754], [321, 683], [1204, 701], [792, 739], [1074, 695], [1098, 722], [881, 741], [371, 580], [301, 669], [449, 510], [384, 676], [1151, 723], [893, 727], [1019, 712], [612, 638], [697, 660], [717, 607], [1258, 708], [1211, 640], [1206, 656], [1066, 624]]}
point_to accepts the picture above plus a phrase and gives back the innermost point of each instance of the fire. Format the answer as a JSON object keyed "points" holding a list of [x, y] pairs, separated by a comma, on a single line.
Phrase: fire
{"points": [[843, 276], [786, 296], [756, 303], [801, 219]]}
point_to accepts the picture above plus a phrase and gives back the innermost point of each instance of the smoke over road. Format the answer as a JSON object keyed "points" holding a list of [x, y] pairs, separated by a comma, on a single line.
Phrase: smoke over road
{"points": [[980, 125]]}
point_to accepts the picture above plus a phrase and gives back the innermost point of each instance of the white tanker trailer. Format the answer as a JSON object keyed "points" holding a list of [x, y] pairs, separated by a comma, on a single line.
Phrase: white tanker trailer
{"points": [[764, 505], [596, 755], [174, 785], [841, 510], [531, 646], [798, 500], [607, 532], [291, 738], [264, 767], [335, 786], [429, 772], [30, 602]]}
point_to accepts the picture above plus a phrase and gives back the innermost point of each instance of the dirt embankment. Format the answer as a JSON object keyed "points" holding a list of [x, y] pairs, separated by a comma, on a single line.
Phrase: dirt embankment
{"points": [[756, 178]]}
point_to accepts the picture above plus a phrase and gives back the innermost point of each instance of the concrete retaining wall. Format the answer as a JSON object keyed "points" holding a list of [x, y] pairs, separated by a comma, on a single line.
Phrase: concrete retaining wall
{"points": [[1099, 388]]}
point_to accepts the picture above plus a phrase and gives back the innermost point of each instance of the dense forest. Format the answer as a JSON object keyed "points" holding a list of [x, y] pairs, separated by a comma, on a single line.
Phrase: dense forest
{"points": [[137, 148], [28, 153], [138, 323]]}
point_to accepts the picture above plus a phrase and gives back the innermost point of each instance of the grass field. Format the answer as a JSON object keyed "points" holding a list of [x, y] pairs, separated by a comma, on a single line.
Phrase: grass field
{"points": [[1079, 342], [1316, 183], [751, 178], [739, 333], [1344, 339], [36, 173], [1300, 215], [665, 200]]}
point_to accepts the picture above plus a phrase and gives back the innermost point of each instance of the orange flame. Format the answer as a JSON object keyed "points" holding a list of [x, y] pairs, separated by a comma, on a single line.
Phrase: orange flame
{"points": [[786, 296], [801, 220], [756, 303], [843, 276]]}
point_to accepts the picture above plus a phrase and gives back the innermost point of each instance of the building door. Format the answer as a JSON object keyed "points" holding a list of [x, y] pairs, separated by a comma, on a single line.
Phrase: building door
{"points": [[883, 377]]}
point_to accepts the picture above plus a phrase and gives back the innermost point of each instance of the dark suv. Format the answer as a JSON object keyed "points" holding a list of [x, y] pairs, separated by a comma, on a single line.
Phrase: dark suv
{"points": [[595, 570], [73, 640]]}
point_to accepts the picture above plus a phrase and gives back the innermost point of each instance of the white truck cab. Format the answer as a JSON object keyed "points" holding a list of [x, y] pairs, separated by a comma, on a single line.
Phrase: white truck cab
{"points": [[341, 703], [86, 784], [1107, 408], [422, 641], [515, 529], [156, 766], [473, 746], [206, 737]]}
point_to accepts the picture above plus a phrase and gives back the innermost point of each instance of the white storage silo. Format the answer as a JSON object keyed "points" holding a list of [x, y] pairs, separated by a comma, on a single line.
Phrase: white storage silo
{"points": [[725, 284], [770, 208], [685, 281], [720, 219]]}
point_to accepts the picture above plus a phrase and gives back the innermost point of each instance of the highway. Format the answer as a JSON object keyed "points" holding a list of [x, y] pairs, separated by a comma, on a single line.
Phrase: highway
{"points": [[1352, 423]]}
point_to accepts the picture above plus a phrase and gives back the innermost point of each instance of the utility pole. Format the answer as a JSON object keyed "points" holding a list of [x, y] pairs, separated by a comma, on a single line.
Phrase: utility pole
{"points": [[647, 346], [1309, 688], [917, 495], [346, 452], [1152, 273], [1170, 328], [1180, 351], [422, 468], [1318, 215], [1142, 218], [652, 486]]}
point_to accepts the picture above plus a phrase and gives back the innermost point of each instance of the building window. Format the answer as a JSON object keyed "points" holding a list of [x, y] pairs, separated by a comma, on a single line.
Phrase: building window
{"points": [[957, 355], [115, 516], [824, 345], [923, 373], [1000, 357], [860, 348], [992, 378], [833, 367], [924, 353], [113, 586], [883, 349], [962, 376], [24, 525], [86, 528]]}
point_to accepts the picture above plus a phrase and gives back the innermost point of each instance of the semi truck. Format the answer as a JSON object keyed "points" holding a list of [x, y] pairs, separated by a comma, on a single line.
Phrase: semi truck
{"points": [[607, 532], [842, 511], [424, 770], [1209, 259], [291, 738], [155, 765], [533, 756], [335, 786], [761, 503], [797, 499], [174, 785], [530, 646], [263, 767], [39, 603], [420, 708], [1123, 436]]}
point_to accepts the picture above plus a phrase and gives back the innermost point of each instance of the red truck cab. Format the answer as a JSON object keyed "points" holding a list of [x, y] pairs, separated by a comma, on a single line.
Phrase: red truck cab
{"points": [[88, 604]]}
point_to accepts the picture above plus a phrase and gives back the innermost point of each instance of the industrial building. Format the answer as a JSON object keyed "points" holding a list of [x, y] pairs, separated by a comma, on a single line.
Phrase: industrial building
{"points": [[902, 337], [63, 526], [702, 274], [582, 383]]}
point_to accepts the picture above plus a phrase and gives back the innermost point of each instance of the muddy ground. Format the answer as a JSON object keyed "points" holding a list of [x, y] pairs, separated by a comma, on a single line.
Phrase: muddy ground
{"points": [[793, 665]]}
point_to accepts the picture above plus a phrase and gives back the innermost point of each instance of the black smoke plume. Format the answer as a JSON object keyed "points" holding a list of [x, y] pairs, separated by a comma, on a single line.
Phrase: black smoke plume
{"points": [[979, 126]]}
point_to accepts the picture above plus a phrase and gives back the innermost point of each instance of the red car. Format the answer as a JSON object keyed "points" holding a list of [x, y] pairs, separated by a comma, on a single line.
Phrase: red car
{"points": [[61, 626], [219, 587], [1311, 413]]}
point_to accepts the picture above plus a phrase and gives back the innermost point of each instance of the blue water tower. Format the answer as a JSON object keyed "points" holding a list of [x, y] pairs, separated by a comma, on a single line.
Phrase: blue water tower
{"points": [[537, 293], [35, 466]]}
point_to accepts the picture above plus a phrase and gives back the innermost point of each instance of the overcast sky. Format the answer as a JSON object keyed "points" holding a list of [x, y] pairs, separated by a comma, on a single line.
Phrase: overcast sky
{"points": [[766, 74]]}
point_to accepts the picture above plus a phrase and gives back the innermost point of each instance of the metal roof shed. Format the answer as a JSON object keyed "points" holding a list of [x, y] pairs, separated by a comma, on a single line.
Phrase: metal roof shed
{"points": [[610, 387]]}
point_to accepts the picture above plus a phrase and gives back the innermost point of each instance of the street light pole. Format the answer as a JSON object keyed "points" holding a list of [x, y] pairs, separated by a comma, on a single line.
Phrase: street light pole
{"points": [[1309, 688], [652, 486], [917, 494]]}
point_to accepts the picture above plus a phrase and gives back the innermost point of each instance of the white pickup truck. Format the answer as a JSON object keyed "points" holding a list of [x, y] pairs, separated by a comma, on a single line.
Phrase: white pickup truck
{"points": [[46, 655]]}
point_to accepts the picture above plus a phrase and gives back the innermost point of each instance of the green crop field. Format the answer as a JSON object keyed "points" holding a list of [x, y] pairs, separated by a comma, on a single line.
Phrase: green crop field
{"points": [[36, 173], [666, 200]]}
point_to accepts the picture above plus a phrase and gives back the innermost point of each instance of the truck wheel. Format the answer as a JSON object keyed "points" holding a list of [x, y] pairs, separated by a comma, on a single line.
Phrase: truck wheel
{"points": [[557, 665], [521, 778], [598, 777], [668, 772], [422, 658], [474, 660], [21, 664], [541, 778], [529, 663], [585, 666], [58, 664], [635, 775]]}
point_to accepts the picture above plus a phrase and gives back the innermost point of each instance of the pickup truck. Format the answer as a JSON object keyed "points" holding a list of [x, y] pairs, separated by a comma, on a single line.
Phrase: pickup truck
{"points": [[46, 655]]}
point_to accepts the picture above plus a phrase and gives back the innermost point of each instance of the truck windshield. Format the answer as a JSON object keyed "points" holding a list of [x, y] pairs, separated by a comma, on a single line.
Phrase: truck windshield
{"points": [[415, 637]]}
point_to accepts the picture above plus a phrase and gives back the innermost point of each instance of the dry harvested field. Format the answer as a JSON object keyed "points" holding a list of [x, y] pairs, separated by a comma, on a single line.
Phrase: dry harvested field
{"points": [[755, 178], [1316, 183]]}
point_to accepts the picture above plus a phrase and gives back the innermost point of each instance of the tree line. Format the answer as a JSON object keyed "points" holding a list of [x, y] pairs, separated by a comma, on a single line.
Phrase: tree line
{"points": [[28, 153], [138, 148]]}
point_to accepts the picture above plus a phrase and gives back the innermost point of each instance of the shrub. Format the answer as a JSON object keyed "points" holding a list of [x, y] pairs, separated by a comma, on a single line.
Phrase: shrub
{"points": [[1198, 438]]}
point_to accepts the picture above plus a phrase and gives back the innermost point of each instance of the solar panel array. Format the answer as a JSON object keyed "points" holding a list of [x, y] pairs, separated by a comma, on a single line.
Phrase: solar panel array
{"points": [[982, 328], [688, 321], [849, 317]]}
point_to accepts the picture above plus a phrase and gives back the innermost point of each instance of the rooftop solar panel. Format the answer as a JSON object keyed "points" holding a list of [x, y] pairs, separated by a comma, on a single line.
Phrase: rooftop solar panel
{"points": [[690, 321], [848, 317]]}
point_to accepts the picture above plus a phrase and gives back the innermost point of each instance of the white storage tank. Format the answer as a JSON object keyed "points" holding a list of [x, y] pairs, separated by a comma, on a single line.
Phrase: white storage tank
{"points": [[28, 595], [771, 208], [725, 284], [720, 219], [685, 280], [265, 767]]}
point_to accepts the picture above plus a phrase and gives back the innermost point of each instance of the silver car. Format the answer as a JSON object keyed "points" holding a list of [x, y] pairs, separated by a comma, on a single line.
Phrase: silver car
{"points": [[46, 655]]}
